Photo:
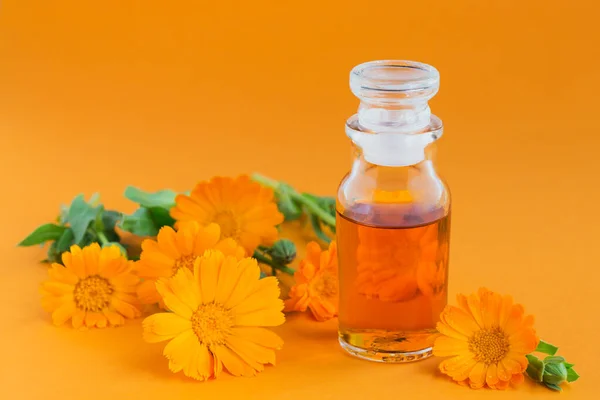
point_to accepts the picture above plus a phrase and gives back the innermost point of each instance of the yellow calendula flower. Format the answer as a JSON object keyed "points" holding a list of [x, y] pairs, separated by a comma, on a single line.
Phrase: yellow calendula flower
{"points": [[245, 210], [172, 250], [487, 338], [218, 317], [95, 287]]}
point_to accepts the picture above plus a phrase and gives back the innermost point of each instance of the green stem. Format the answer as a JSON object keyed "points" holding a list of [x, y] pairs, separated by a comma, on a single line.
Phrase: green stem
{"points": [[304, 200], [102, 238], [265, 260], [315, 209]]}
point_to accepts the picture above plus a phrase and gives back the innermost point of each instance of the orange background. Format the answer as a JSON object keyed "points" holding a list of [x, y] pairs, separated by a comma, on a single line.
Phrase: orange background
{"points": [[98, 95]]}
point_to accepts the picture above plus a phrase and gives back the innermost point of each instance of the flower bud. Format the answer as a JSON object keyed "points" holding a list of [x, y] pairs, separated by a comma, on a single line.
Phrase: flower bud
{"points": [[555, 372], [552, 371], [283, 251]]}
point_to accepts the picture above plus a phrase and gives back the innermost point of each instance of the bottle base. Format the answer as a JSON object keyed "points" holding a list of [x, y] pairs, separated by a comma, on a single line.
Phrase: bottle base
{"points": [[388, 348]]}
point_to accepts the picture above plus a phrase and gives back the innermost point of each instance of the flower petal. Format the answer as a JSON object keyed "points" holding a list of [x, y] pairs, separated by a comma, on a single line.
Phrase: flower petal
{"points": [[205, 238], [250, 353], [206, 271], [265, 295], [232, 362], [186, 288], [167, 244], [249, 274], [63, 275], [503, 373], [445, 329], [260, 336], [172, 301], [92, 319], [77, 319], [205, 363], [227, 279], [517, 379], [164, 326], [179, 350], [492, 375], [126, 309], [478, 375], [90, 256], [460, 320], [114, 318], [147, 293], [63, 313], [266, 317], [445, 346]]}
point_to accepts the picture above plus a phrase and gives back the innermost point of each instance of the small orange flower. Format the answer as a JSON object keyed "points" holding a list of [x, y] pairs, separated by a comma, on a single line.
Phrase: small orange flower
{"points": [[245, 210], [317, 285], [95, 287], [172, 250], [487, 337]]}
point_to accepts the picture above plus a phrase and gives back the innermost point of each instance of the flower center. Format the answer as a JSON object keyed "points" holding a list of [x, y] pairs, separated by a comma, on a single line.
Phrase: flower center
{"points": [[212, 323], [92, 293], [327, 286], [228, 224], [489, 345], [184, 261]]}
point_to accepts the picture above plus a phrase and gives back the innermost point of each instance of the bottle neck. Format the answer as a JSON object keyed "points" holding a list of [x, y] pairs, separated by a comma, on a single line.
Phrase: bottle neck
{"points": [[394, 118], [392, 147]]}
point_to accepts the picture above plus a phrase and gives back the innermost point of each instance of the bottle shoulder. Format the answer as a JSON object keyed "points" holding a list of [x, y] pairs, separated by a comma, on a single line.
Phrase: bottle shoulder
{"points": [[414, 190]]}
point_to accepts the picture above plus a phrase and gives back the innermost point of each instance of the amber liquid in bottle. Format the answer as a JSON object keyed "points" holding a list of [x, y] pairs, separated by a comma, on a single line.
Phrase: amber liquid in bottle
{"points": [[393, 261]]}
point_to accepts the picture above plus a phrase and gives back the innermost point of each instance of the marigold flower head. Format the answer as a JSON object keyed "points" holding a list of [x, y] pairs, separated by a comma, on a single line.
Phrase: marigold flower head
{"points": [[487, 338], [172, 250], [218, 316], [317, 286], [245, 210], [94, 288]]}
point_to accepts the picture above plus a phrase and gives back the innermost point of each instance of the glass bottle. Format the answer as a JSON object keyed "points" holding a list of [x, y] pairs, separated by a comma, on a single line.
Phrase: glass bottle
{"points": [[393, 216]]}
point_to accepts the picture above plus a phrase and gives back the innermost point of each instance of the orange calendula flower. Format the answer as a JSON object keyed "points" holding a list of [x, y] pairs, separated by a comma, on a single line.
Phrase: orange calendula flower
{"points": [[245, 210], [317, 285], [95, 287], [217, 319], [487, 337], [172, 250]]}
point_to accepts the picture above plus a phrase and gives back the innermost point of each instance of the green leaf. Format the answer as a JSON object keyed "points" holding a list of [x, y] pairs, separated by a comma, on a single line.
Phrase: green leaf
{"points": [[161, 217], [568, 365], [43, 234], [546, 348], [140, 223], [110, 219], [572, 376], [553, 387], [119, 245], [554, 359], [535, 369], [163, 198], [81, 214], [65, 241]]}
